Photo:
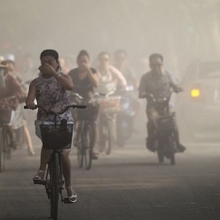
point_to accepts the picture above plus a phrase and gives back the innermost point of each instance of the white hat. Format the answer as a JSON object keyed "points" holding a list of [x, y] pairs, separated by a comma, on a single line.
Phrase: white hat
{"points": [[10, 57]]}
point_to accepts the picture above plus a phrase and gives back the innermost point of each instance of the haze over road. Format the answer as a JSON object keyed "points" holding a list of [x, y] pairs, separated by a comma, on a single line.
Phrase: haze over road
{"points": [[128, 184]]}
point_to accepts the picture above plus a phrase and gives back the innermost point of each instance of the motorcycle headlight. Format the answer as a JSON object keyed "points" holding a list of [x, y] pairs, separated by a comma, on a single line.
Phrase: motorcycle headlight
{"points": [[195, 93]]}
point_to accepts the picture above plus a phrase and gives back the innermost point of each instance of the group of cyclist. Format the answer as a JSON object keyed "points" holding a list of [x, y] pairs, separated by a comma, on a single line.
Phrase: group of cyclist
{"points": [[52, 89]]}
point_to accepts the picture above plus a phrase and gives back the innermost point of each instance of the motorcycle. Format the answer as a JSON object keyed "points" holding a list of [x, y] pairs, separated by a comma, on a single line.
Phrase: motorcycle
{"points": [[125, 117], [165, 144]]}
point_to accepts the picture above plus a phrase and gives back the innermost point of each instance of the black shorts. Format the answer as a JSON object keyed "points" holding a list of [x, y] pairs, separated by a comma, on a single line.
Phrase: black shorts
{"points": [[89, 113]]}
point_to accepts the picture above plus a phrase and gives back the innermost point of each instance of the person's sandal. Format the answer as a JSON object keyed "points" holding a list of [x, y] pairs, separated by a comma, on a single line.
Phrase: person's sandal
{"points": [[72, 198], [13, 144], [95, 156], [39, 177], [31, 152]]}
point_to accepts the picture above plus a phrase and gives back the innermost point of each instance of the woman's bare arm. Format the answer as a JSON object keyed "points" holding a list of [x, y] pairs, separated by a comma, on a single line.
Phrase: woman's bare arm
{"points": [[119, 76], [31, 95]]}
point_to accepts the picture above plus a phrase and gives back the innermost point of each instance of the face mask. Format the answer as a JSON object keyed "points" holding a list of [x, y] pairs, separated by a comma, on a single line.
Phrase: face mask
{"points": [[2, 79]]}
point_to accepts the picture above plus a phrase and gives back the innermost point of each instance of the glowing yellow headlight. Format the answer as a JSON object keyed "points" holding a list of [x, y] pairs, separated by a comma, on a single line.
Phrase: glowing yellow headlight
{"points": [[195, 93]]}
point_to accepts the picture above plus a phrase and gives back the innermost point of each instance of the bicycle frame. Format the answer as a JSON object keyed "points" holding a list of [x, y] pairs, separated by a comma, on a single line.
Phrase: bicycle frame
{"points": [[53, 181], [85, 136], [54, 174]]}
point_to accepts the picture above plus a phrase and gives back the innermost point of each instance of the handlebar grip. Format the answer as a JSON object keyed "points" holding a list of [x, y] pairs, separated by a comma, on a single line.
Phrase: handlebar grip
{"points": [[26, 107], [79, 106]]}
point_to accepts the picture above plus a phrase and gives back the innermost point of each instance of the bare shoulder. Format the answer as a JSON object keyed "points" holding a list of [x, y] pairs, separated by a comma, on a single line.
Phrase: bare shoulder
{"points": [[67, 76]]}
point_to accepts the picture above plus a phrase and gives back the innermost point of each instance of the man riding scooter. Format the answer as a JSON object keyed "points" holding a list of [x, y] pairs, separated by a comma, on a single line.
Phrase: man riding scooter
{"points": [[158, 83]]}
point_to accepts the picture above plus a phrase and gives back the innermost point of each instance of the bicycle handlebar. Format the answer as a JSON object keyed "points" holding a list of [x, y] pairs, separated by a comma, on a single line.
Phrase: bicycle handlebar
{"points": [[56, 113], [8, 98]]}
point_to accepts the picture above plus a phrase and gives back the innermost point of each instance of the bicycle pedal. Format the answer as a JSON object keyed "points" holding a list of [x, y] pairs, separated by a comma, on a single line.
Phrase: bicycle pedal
{"points": [[39, 182], [68, 201]]}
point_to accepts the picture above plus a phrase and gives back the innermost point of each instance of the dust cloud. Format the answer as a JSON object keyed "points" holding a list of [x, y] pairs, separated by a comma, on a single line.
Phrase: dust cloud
{"points": [[180, 30]]}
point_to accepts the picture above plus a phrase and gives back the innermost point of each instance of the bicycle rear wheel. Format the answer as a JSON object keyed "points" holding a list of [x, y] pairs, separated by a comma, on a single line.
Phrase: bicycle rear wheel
{"points": [[55, 185], [87, 143]]}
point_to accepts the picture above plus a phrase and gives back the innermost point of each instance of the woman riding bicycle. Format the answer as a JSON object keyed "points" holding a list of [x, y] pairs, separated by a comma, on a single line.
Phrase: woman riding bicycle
{"points": [[51, 90], [85, 79], [110, 77]]}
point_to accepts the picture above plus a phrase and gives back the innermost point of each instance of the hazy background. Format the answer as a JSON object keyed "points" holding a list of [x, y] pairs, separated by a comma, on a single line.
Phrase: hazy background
{"points": [[182, 30]]}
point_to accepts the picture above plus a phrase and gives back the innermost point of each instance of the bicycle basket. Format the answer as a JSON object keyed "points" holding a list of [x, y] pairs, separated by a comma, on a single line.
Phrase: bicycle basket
{"points": [[165, 123], [56, 136], [110, 104]]}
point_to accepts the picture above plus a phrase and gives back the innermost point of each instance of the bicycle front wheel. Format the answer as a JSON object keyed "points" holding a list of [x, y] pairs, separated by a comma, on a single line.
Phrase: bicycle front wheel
{"points": [[55, 168], [6, 147], [171, 150], [108, 133], [80, 146], [87, 143], [2, 156]]}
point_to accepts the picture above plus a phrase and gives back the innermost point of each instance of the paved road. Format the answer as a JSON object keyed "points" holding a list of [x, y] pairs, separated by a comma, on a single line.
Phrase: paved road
{"points": [[127, 185]]}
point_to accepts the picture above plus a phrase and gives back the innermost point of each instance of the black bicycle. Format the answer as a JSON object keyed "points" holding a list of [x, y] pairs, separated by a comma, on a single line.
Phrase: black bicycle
{"points": [[5, 150], [84, 132], [56, 137]]}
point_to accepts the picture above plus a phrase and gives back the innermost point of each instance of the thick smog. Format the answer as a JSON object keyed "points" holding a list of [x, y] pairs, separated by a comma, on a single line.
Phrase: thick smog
{"points": [[110, 109]]}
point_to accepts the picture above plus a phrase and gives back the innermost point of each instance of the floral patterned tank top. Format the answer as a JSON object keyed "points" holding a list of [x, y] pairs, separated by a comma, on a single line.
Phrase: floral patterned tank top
{"points": [[52, 96]]}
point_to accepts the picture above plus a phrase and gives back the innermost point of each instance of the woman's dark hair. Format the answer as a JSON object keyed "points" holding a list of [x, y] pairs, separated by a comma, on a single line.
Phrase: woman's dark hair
{"points": [[155, 56], [50, 52], [83, 53]]}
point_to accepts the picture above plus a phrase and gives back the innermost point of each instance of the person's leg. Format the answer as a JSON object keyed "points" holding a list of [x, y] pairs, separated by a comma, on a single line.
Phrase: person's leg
{"points": [[44, 158], [180, 147], [18, 125], [95, 134], [10, 131], [99, 132], [67, 172], [137, 107], [28, 141], [19, 134], [150, 140], [76, 136]]}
